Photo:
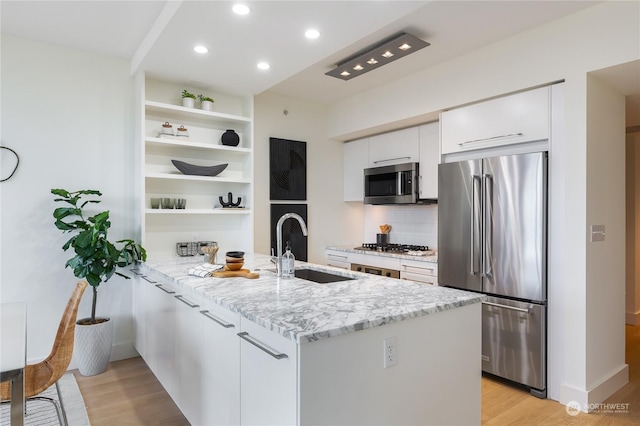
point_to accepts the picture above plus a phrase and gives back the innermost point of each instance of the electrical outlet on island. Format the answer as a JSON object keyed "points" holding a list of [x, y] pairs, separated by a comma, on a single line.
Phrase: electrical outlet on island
{"points": [[390, 352]]}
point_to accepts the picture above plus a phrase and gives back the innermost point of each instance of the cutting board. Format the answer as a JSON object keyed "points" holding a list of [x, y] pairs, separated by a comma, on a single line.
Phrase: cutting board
{"points": [[245, 273]]}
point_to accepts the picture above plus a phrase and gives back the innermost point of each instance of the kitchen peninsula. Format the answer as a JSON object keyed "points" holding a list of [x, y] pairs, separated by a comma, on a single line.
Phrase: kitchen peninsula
{"points": [[368, 350]]}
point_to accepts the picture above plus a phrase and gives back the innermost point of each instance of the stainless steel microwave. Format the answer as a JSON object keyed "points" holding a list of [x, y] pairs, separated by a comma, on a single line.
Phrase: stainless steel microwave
{"points": [[396, 184]]}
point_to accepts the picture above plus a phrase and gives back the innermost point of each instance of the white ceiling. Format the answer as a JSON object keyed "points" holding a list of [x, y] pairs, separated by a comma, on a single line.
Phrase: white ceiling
{"points": [[158, 37]]}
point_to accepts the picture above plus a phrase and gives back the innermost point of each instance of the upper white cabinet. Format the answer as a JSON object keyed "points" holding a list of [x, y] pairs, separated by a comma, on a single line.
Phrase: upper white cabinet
{"points": [[356, 159], [401, 146], [203, 219], [429, 159], [517, 118]]}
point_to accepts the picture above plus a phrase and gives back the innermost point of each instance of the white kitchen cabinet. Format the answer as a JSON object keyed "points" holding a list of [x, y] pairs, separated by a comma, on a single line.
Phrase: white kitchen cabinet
{"points": [[338, 259], [397, 147], [429, 159], [188, 351], [268, 370], [356, 159], [203, 219], [139, 311], [160, 338], [512, 119], [219, 366], [423, 272]]}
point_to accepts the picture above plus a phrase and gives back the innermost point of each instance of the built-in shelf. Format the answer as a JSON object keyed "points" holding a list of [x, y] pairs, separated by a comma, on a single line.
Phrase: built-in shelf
{"points": [[194, 144], [193, 113], [173, 176], [199, 211]]}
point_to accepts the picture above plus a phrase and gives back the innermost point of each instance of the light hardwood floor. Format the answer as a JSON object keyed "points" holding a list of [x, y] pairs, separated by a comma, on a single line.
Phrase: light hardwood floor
{"points": [[129, 394]]}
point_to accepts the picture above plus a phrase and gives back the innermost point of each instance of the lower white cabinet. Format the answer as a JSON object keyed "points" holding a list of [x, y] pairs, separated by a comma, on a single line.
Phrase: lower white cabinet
{"points": [[268, 365], [219, 366], [422, 272], [338, 259], [188, 359], [160, 338]]}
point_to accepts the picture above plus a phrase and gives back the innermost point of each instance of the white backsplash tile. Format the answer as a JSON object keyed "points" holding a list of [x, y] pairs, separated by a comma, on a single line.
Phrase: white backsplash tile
{"points": [[410, 224]]}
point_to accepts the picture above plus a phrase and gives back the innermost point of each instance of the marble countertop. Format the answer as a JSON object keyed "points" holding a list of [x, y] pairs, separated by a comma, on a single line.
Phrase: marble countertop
{"points": [[351, 249], [305, 311]]}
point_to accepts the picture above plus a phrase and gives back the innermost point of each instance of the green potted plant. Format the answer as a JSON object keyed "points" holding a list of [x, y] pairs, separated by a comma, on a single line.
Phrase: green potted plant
{"points": [[96, 260], [188, 99], [206, 102]]}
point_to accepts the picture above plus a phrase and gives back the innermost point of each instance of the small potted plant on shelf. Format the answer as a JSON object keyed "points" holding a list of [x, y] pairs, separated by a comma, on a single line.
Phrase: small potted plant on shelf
{"points": [[188, 99], [96, 260], [206, 102]]}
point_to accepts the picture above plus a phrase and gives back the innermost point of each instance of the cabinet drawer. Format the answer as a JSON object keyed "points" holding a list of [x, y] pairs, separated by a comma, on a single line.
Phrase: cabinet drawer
{"points": [[424, 279], [522, 117], [338, 260], [423, 268]]}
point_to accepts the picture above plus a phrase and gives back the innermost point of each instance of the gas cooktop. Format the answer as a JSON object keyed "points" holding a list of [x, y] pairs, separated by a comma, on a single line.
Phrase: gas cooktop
{"points": [[392, 248]]}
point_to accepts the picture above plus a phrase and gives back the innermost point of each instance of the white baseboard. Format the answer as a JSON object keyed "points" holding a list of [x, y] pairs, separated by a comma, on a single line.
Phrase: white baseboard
{"points": [[598, 393], [123, 351], [632, 318]]}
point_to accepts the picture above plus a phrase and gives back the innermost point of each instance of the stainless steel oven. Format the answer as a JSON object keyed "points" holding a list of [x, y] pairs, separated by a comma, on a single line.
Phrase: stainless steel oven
{"points": [[384, 272]]}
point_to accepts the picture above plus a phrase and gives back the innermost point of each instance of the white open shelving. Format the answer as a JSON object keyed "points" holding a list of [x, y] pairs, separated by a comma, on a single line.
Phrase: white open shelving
{"points": [[203, 219]]}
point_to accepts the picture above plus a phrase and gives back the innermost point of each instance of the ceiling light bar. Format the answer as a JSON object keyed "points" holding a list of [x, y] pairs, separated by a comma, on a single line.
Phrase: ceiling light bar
{"points": [[385, 52]]}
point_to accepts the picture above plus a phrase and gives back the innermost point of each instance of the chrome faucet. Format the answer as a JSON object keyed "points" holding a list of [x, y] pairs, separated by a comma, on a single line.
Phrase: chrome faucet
{"points": [[279, 236]]}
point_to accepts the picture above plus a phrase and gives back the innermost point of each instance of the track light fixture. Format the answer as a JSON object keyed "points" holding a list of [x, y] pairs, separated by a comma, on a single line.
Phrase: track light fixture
{"points": [[386, 51]]}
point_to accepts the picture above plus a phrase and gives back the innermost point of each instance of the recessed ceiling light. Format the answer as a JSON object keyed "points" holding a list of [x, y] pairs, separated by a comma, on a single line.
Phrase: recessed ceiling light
{"points": [[372, 61], [358, 67], [405, 46], [312, 34], [264, 65], [387, 54], [241, 9], [200, 49]]}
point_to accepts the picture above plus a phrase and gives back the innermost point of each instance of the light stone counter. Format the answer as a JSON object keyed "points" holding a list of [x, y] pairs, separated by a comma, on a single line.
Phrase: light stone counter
{"points": [[305, 311]]}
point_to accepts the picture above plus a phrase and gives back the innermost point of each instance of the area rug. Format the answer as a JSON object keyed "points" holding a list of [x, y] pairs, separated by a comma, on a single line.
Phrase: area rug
{"points": [[42, 413]]}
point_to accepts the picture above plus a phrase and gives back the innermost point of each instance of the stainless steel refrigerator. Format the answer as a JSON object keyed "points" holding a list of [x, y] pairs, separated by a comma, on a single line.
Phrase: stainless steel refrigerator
{"points": [[492, 234]]}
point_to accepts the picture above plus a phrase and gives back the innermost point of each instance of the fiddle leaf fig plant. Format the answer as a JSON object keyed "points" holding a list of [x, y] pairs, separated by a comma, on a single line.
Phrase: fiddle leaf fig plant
{"points": [[96, 258]]}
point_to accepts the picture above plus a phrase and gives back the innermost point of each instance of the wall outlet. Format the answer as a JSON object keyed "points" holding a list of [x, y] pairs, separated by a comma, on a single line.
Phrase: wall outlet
{"points": [[390, 352]]}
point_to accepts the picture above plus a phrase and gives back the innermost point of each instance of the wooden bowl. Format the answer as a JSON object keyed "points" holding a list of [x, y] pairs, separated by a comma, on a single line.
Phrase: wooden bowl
{"points": [[234, 259], [234, 266]]}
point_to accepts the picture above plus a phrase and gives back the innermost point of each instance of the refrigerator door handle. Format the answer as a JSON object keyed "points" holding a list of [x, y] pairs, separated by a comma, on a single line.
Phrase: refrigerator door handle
{"points": [[488, 225], [513, 308], [474, 230]]}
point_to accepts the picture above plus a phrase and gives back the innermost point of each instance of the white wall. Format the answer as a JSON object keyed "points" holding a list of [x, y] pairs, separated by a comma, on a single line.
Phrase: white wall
{"points": [[605, 286], [633, 229], [330, 220], [69, 116], [561, 50]]}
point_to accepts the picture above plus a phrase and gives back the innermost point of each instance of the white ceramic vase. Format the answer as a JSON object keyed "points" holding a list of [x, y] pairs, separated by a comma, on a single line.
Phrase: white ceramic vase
{"points": [[188, 102], [93, 347], [207, 105]]}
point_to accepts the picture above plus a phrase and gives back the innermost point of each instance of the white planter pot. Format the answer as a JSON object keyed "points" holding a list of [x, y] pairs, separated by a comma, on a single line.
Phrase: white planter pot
{"points": [[93, 347], [188, 102], [207, 105]]}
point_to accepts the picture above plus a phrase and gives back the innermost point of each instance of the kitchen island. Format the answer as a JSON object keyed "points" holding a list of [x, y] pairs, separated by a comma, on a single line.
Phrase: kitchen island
{"points": [[369, 350]]}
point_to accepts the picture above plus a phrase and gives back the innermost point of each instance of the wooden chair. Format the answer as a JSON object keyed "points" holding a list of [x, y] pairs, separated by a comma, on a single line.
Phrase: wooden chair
{"points": [[38, 377]]}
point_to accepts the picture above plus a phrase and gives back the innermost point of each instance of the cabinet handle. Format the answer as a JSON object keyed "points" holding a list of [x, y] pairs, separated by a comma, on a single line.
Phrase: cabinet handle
{"points": [[245, 336], [215, 319], [513, 308], [391, 159], [165, 290], [510, 135], [335, 256], [186, 301], [149, 280]]}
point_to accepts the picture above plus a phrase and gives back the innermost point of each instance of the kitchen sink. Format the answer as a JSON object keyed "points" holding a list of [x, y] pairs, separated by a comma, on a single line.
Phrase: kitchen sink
{"points": [[320, 277]]}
